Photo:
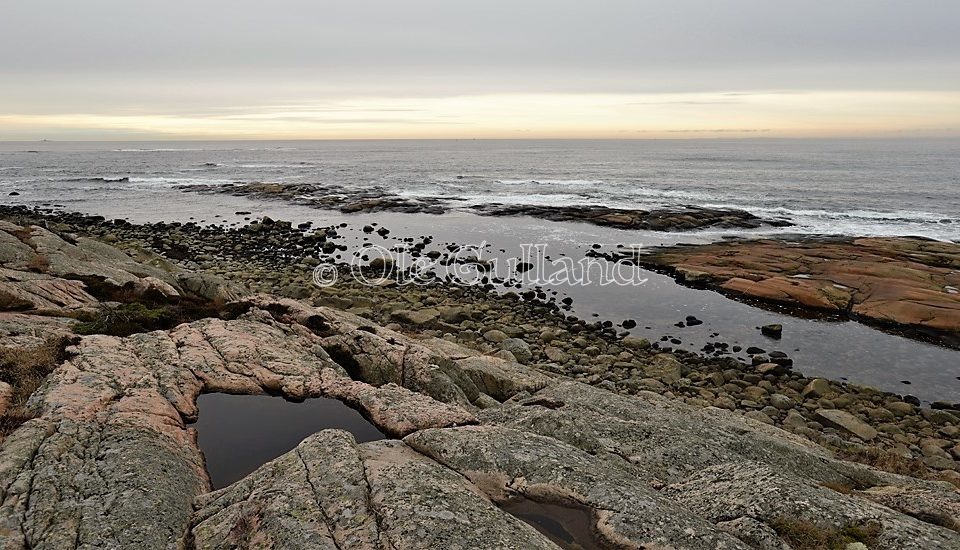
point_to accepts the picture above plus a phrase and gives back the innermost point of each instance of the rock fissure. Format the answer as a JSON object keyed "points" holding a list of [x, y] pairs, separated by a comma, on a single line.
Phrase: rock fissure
{"points": [[331, 527], [368, 501]]}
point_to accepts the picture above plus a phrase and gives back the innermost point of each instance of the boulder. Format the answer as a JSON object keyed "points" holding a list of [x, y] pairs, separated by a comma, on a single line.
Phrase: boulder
{"points": [[519, 348], [635, 343], [773, 331], [818, 387], [416, 317], [209, 287], [846, 422], [664, 367]]}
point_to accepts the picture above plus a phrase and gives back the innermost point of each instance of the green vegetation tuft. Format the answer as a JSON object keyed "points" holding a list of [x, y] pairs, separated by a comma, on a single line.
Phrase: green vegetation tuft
{"points": [[805, 535]]}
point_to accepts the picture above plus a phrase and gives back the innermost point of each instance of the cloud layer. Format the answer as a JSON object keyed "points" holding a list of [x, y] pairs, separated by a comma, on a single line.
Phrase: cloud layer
{"points": [[432, 68]]}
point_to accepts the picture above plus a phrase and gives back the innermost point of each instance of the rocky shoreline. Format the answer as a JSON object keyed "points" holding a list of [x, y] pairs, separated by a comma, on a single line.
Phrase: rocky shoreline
{"points": [[333, 197], [470, 382], [908, 284]]}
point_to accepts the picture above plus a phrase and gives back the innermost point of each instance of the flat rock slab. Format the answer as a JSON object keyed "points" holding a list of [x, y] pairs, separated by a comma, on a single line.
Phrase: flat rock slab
{"points": [[312, 497], [628, 512], [423, 504], [328, 197], [847, 422], [900, 281], [22, 291], [749, 490], [41, 270]]}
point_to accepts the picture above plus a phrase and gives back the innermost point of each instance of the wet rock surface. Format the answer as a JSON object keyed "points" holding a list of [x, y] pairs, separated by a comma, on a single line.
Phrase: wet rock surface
{"points": [[681, 218], [110, 460], [331, 197], [901, 282]]}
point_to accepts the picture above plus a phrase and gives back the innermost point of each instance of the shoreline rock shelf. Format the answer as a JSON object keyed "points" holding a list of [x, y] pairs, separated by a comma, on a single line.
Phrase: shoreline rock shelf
{"points": [[108, 459], [890, 282]]}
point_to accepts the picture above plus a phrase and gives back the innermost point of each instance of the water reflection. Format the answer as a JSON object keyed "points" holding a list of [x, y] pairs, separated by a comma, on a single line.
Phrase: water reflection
{"points": [[239, 433]]}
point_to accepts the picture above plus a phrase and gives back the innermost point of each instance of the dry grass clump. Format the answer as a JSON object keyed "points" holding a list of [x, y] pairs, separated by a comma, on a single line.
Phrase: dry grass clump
{"points": [[25, 369], [124, 319], [886, 460], [805, 535]]}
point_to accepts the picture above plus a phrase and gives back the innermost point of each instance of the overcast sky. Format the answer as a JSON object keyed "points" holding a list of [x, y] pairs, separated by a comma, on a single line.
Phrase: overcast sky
{"points": [[430, 68]]}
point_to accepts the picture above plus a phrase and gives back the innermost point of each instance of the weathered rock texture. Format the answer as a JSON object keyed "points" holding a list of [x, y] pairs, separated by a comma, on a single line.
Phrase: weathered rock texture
{"points": [[110, 459], [681, 218], [41, 270], [907, 282]]}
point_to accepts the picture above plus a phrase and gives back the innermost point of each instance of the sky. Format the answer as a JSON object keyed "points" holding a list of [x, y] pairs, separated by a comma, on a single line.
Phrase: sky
{"points": [[298, 69]]}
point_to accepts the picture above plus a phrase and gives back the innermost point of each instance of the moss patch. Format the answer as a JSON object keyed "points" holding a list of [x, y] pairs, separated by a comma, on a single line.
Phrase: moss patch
{"points": [[805, 535]]}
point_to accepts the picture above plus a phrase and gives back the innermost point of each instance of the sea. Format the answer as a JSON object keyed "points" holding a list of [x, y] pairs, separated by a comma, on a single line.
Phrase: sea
{"points": [[851, 187], [846, 187]]}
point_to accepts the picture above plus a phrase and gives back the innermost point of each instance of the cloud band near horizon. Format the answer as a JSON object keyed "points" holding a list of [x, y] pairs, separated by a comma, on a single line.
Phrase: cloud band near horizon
{"points": [[114, 69]]}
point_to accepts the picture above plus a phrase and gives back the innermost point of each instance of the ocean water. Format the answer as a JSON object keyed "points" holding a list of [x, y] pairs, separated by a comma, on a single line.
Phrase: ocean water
{"points": [[856, 187]]}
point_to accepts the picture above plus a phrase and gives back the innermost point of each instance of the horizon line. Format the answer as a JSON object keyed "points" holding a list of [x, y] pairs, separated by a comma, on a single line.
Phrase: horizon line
{"points": [[662, 138]]}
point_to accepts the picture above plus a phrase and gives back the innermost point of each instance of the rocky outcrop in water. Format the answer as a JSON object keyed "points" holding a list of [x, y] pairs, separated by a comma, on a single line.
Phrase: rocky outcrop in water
{"points": [[681, 218], [330, 197], [902, 282], [334, 197]]}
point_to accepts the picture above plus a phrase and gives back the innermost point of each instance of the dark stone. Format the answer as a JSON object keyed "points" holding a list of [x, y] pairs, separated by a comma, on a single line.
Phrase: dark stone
{"points": [[773, 331]]}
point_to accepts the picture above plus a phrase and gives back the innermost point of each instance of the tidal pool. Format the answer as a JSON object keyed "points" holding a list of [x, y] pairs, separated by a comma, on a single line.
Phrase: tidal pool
{"points": [[240, 433], [567, 527]]}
